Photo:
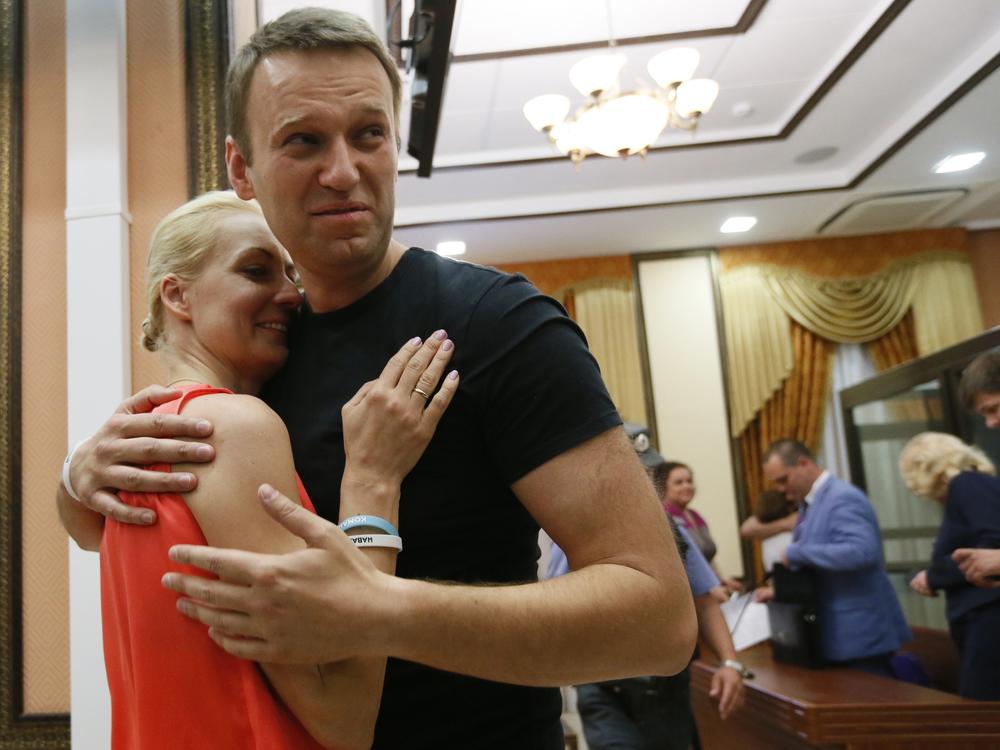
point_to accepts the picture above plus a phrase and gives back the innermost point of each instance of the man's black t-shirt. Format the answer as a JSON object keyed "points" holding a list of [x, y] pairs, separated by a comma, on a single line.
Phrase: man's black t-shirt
{"points": [[529, 391]]}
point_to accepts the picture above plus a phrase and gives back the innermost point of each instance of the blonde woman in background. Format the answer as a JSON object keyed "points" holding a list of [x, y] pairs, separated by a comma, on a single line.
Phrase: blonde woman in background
{"points": [[222, 294], [941, 467]]}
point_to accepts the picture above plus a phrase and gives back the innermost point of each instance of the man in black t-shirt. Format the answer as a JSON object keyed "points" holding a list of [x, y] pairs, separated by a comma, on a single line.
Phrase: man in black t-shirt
{"points": [[531, 438]]}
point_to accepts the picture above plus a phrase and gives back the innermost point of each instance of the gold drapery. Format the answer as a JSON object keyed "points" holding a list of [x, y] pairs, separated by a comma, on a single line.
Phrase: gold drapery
{"points": [[938, 286], [605, 310], [796, 409], [896, 347]]}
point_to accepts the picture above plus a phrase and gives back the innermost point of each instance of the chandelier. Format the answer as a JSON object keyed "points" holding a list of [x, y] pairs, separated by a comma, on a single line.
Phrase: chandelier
{"points": [[616, 123]]}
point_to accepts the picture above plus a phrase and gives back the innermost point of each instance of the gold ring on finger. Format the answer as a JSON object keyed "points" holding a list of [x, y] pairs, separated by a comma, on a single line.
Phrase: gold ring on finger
{"points": [[422, 393]]}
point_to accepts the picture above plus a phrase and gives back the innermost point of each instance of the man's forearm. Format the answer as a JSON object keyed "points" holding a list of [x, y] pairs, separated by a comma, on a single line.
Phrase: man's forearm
{"points": [[82, 524], [712, 627], [601, 622]]}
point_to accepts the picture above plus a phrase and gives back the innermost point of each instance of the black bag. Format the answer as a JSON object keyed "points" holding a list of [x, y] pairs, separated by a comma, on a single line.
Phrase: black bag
{"points": [[794, 619]]}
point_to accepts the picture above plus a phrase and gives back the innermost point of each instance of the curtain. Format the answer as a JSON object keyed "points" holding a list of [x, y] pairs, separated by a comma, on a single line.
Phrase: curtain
{"points": [[896, 347], [606, 313], [852, 363], [795, 411], [945, 303], [938, 287]]}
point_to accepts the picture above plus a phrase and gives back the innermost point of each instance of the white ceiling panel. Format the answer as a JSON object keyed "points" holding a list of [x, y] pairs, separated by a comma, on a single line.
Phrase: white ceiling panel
{"points": [[486, 26]]}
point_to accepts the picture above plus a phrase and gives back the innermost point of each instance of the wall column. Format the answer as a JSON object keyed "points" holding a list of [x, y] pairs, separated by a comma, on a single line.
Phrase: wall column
{"points": [[97, 304]]}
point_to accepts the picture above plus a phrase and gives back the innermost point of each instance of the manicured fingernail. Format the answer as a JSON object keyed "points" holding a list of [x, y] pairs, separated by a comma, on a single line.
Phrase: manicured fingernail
{"points": [[185, 606], [175, 554], [267, 492], [169, 580], [447, 346], [147, 517], [203, 452], [453, 375], [441, 335], [203, 427], [415, 341], [186, 481]]}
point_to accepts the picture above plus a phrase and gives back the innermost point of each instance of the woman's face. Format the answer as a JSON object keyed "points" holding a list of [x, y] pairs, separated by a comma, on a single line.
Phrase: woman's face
{"points": [[244, 298], [680, 487]]}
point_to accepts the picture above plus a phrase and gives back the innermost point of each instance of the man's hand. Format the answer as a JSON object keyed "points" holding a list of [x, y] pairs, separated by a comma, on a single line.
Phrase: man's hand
{"points": [[305, 607], [727, 688], [979, 566], [112, 458], [763, 594], [919, 584]]}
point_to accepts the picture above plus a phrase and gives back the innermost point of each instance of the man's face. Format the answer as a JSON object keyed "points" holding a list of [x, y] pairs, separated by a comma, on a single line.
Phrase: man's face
{"points": [[323, 137], [795, 481], [988, 405]]}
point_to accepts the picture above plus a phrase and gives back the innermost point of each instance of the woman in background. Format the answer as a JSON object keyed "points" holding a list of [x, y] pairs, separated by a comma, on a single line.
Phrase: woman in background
{"points": [[222, 294], [941, 467], [675, 482]]}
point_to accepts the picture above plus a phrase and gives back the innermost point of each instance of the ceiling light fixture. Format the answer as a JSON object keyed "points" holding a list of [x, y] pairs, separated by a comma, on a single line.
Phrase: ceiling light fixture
{"points": [[451, 247], [959, 162], [615, 123], [738, 224]]}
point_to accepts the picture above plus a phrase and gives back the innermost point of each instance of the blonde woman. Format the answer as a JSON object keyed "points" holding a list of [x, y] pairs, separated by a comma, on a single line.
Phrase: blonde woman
{"points": [[222, 296], [941, 467]]}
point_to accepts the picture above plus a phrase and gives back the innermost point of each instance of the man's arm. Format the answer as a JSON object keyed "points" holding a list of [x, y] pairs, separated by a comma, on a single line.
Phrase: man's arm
{"points": [[854, 546], [625, 610], [981, 567], [112, 458], [754, 528], [727, 683]]}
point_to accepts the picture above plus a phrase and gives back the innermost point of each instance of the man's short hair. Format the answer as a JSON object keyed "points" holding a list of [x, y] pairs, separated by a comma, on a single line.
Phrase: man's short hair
{"points": [[788, 450], [302, 29], [981, 376]]}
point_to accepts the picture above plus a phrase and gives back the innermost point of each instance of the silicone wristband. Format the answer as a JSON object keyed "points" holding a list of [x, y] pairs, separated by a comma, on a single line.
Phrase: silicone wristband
{"points": [[374, 522], [67, 484], [390, 541]]}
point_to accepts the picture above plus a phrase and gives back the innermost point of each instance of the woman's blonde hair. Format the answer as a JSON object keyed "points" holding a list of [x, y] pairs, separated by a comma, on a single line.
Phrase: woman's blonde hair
{"points": [[931, 459], [181, 243]]}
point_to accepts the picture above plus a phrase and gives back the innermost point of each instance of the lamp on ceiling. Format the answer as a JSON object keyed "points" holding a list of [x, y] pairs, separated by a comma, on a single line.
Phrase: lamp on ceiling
{"points": [[615, 123]]}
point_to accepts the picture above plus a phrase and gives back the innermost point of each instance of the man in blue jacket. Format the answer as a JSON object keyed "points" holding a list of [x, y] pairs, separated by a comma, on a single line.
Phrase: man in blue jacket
{"points": [[838, 536]]}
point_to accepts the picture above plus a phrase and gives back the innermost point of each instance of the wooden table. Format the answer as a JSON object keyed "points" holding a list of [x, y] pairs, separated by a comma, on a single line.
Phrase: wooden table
{"points": [[791, 707]]}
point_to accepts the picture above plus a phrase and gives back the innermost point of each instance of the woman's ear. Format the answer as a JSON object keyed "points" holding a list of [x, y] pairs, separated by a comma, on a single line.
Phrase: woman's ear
{"points": [[175, 296]]}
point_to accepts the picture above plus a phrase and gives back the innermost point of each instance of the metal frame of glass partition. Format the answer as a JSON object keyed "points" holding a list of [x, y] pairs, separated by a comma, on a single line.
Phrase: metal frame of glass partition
{"points": [[938, 377]]}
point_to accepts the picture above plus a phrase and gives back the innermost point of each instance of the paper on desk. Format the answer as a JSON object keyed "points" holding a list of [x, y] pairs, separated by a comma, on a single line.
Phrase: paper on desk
{"points": [[747, 621]]}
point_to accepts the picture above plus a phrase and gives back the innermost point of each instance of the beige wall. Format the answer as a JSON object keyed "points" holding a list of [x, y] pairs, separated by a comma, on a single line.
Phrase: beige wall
{"points": [[157, 146], [682, 339], [984, 249], [43, 364]]}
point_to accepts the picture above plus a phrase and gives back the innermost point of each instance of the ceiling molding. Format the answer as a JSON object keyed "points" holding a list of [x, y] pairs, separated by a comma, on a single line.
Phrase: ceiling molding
{"points": [[964, 88], [750, 14], [849, 60]]}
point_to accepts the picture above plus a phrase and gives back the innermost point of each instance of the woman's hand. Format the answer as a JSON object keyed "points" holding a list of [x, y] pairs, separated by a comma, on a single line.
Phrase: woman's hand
{"points": [[919, 584], [390, 421]]}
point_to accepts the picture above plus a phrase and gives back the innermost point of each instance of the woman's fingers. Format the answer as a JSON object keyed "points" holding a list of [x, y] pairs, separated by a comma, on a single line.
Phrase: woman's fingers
{"points": [[427, 381], [397, 363], [419, 363], [437, 405]]}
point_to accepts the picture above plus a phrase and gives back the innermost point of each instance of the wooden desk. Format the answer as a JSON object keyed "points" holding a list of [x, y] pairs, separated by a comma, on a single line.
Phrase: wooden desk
{"points": [[790, 707]]}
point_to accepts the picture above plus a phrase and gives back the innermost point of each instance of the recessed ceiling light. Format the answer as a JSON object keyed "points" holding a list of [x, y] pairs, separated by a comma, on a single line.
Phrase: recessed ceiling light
{"points": [[959, 162], [815, 155], [452, 247], [738, 224]]}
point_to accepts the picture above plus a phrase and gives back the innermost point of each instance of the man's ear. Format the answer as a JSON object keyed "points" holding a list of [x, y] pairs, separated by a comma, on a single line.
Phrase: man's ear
{"points": [[175, 296], [239, 170]]}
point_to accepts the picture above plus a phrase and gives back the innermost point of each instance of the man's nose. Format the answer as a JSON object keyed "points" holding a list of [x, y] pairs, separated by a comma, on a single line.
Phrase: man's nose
{"points": [[340, 172]]}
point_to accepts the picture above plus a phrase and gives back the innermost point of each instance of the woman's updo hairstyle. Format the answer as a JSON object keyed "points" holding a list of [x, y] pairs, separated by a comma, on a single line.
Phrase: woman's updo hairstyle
{"points": [[932, 459], [181, 243]]}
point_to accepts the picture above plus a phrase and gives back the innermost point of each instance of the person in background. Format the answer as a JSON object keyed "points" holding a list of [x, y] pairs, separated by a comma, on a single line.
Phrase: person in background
{"points": [[771, 523], [942, 468], [838, 537], [675, 483], [655, 712], [979, 391]]}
